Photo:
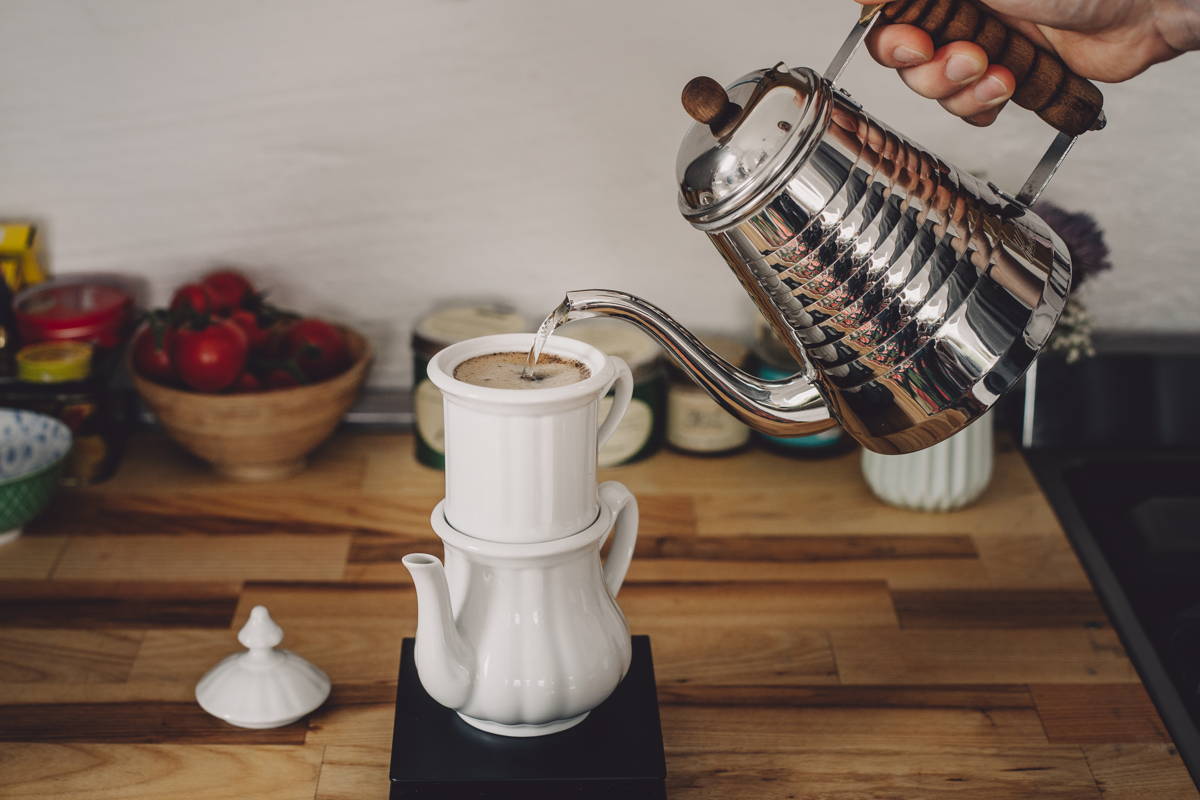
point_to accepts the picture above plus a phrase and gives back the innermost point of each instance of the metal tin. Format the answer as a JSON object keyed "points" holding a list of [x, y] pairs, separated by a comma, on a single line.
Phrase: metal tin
{"points": [[74, 309], [641, 432], [696, 424], [54, 362], [772, 361], [434, 331]]}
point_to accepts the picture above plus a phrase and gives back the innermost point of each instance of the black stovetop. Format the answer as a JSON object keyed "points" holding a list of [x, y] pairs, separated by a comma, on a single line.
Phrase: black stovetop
{"points": [[1134, 519]]}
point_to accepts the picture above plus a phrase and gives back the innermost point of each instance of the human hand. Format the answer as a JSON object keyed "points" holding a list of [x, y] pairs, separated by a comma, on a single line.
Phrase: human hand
{"points": [[1106, 40]]}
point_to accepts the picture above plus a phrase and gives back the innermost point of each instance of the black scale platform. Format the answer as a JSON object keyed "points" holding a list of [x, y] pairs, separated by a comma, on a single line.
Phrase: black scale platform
{"points": [[617, 752]]}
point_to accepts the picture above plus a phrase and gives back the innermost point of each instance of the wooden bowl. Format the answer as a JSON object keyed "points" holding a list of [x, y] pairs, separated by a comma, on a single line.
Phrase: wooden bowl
{"points": [[258, 436]]}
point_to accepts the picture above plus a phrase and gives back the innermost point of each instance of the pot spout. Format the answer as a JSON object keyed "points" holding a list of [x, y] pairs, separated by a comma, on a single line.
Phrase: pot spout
{"points": [[789, 407], [444, 659]]}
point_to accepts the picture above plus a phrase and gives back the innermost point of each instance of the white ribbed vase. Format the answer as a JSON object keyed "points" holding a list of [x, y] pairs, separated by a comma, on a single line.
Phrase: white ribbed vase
{"points": [[944, 477]]}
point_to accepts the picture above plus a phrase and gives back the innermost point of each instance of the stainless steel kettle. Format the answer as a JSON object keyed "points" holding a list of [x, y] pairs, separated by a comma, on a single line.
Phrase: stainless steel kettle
{"points": [[914, 294]]}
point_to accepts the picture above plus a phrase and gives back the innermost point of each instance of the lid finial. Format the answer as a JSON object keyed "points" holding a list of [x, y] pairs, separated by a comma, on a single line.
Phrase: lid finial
{"points": [[706, 102], [260, 631], [704, 99]]}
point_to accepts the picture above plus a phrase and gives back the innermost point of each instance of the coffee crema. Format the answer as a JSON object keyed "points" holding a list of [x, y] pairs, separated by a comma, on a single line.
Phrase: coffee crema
{"points": [[503, 371]]}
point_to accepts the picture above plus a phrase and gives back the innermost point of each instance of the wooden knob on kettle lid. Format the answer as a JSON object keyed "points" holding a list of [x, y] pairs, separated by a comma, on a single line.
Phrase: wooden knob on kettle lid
{"points": [[706, 102], [704, 99]]}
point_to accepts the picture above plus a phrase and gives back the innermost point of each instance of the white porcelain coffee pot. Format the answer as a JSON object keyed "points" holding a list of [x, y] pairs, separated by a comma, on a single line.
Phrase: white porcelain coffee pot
{"points": [[525, 639]]}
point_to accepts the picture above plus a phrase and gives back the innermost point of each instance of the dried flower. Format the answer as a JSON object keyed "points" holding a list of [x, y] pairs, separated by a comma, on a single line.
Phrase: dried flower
{"points": [[1083, 237], [1072, 338]]}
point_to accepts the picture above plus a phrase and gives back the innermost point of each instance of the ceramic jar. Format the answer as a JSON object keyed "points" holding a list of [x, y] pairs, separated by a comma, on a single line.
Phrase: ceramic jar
{"points": [[434, 331], [944, 477], [696, 424], [641, 431]]}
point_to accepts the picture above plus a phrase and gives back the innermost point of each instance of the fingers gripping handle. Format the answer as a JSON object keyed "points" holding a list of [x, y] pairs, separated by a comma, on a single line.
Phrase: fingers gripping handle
{"points": [[625, 510], [1045, 85]]}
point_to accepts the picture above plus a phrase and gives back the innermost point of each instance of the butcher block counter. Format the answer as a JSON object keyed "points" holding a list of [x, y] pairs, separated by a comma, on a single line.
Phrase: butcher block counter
{"points": [[809, 642]]}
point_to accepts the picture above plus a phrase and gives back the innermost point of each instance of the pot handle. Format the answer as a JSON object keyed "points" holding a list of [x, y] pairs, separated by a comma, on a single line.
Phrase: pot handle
{"points": [[624, 506], [1045, 85]]}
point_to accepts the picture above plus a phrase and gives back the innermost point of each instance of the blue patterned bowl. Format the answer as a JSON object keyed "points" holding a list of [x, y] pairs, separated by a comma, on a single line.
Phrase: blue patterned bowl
{"points": [[33, 448]]}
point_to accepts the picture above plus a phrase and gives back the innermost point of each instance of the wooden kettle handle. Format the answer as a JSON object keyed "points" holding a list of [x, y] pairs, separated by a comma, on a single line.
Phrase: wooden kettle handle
{"points": [[1045, 85]]}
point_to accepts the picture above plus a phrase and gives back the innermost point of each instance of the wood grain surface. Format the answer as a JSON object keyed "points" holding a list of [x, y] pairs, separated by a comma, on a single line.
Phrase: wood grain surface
{"points": [[809, 642]]}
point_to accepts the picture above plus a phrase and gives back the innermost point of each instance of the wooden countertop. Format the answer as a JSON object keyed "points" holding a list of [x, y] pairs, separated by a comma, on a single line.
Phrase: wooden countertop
{"points": [[809, 642]]}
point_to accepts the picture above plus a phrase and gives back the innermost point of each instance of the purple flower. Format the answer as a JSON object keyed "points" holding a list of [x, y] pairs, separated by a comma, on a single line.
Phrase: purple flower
{"points": [[1083, 237]]}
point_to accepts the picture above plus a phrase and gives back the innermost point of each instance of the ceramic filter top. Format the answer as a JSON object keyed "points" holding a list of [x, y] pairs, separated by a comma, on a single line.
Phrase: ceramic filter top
{"points": [[264, 686]]}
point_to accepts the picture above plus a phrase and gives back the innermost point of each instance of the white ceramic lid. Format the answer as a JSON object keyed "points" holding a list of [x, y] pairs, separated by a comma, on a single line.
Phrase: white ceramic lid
{"points": [[262, 687]]}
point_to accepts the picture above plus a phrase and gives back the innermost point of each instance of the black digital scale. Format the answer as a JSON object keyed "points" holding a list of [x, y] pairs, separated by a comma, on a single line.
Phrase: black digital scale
{"points": [[617, 752]]}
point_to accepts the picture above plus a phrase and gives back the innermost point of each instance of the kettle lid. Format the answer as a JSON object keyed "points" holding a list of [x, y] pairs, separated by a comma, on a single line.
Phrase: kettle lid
{"points": [[746, 140]]}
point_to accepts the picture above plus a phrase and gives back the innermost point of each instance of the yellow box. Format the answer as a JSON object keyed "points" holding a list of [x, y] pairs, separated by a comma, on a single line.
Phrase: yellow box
{"points": [[21, 262]]}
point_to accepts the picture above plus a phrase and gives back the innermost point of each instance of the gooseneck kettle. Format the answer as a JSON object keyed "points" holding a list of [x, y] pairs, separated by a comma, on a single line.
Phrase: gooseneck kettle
{"points": [[913, 294]]}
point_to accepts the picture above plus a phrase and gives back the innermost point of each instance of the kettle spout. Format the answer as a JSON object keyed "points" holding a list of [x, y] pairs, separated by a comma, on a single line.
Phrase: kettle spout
{"points": [[789, 407], [444, 659]]}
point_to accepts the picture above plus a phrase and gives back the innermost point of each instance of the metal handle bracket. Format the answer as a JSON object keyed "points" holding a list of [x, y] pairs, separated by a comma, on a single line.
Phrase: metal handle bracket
{"points": [[866, 22]]}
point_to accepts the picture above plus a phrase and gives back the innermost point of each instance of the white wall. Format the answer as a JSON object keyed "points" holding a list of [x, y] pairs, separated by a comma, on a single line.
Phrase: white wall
{"points": [[367, 158]]}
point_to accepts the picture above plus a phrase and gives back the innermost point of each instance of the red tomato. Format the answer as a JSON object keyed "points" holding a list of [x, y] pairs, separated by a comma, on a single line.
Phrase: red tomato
{"points": [[256, 335], [281, 379], [226, 289], [319, 349], [247, 382], [210, 359], [191, 297], [152, 353]]}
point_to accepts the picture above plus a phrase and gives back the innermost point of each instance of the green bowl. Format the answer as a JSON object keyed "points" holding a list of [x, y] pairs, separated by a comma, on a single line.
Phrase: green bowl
{"points": [[33, 449]]}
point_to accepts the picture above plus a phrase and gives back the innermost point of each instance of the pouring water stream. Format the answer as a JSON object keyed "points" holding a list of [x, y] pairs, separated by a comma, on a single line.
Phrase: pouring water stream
{"points": [[550, 324]]}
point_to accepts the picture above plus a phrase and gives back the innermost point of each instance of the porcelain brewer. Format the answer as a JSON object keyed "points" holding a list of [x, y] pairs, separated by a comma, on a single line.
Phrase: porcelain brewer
{"points": [[519, 631]]}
